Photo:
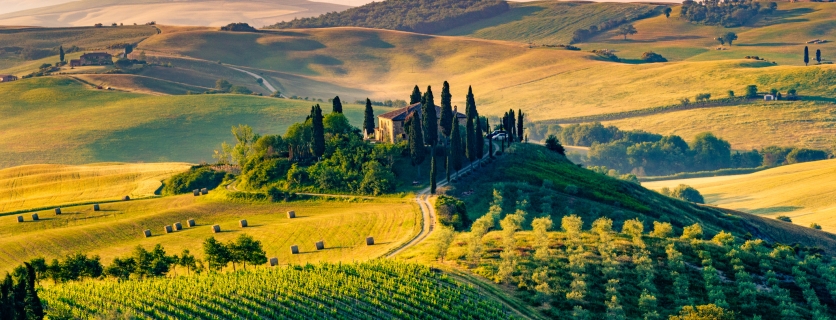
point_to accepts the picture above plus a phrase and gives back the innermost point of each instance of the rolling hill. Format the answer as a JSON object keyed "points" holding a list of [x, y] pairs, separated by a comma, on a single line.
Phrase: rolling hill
{"points": [[804, 192], [189, 12]]}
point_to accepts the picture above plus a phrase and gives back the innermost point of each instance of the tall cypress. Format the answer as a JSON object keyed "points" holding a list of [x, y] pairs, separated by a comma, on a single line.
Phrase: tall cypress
{"points": [[34, 308], [368, 118], [429, 118], [446, 118], [318, 131], [520, 129], [456, 147], [480, 138], [818, 55], [416, 140], [61, 53], [432, 173], [447, 164], [338, 105], [806, 56], [415, 97], [470, 128], [512, 127], [490, 141]]}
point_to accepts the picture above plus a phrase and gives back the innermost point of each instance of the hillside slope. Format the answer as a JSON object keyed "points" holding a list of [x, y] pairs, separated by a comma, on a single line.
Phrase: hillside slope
{"points": [[805, 192]]}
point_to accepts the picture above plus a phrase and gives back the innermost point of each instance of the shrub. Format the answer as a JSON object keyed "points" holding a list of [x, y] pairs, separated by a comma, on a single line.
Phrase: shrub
{"points": [[662, 229], [241, 26], [784, 218], [687, 193], [692, 232], [805, 155], [653, 57], [571, 189], [554, 145], [258, 173], [197, 177], [815, 226], [452, 212]]}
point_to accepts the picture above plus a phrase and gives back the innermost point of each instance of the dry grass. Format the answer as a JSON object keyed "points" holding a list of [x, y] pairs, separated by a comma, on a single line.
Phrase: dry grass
{"points": [[36, 186], [805, 192]]}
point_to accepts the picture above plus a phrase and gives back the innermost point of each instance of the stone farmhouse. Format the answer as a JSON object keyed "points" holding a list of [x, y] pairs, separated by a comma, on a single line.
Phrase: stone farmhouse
{"points": [[93, 59], [390, 125], [7, 78]]}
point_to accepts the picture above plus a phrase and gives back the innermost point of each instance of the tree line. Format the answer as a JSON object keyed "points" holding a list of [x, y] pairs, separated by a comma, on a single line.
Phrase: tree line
{"points": [[423, 16], [583, 34], [732, 13]]}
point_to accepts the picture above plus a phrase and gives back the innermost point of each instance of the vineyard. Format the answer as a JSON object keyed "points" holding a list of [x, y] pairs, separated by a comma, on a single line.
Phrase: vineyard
{"points": [[370, 290]]}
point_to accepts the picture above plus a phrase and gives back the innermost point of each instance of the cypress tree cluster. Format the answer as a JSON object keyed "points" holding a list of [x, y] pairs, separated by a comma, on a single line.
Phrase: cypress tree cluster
{"points": [[368, 117], [429, 118], [520, 130], [18, 295], [447, 118], [416, 139]]}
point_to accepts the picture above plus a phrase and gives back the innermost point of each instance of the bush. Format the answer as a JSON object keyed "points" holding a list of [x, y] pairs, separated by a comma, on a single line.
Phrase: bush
{"points": [[815, 226], [571, 189], [805, 155], [653, 57], [241, 26], [452, 212], [784, 218], [554, 145], [196, 178], [687, 193], [258, 173]]}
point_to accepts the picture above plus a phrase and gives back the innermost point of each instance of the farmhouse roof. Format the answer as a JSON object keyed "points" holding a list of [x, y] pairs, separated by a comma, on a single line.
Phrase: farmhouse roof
{"points": [[96, 54], [402, 113]]}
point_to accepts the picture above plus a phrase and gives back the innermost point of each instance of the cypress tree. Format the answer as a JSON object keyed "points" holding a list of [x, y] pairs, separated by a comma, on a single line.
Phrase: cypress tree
{"points": [[480, 138], [416, 140], [34, 308], [61, 53], [806, 56], [456, 147], [368, 118], [520, 129], [338, 105], [470, 128], [318, 131], [446, 119], [490, 141], [429, 118], [415, 97], [512, 127], [447, 164], [432, 172], [818, 55]]}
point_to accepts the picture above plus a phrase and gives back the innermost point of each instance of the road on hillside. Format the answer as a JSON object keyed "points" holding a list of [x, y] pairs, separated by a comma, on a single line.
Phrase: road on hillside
{"points": [[266, 83]]}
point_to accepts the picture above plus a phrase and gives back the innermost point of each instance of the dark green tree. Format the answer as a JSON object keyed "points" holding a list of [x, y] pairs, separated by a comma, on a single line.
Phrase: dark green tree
{"points": [[447, 165], [338, 105], [818, 56], [128, 49], [480, 138], [416, 96], [554, 145], [627, 29], [470, 127], [456, 147], [490, 141], [668, 12], [429, 118], [806, 56], [188, 261], [520, 129], [751, 91], [318, 130], [245, 250], [446, 118], [417, 151], [34, 308], [432, 173], [368, 118], [730, 37], [61, 53], [121, 268], [217, 254]]}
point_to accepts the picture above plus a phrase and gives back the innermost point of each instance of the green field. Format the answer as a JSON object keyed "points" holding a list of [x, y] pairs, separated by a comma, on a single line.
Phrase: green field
{"points": [[804, 192], [109, 126], [36, 186], [114, 231]]}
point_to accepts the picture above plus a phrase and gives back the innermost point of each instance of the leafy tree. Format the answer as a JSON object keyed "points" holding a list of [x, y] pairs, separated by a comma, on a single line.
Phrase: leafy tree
{"points": [[751, 91], [554, 145], [667, 12], [730, 37], [445, 237], [818, 56], [245, 249], [429, 118], [687, 193], [541, 226], [368, 118], [447, 116], [337, 105], [121, 268], [627, 29], [692, 232], [416, 96], [123, 63], [806, 56], [243, 149], [222, 85], [784, 219], [662, 229], [710, 152], [721, 40], [318, 131], [217, 254], [61, 53]]}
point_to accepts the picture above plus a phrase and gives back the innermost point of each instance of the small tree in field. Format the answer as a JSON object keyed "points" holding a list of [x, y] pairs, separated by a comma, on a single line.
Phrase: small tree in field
{"points": [[627, 29], [668, 12], [818, 56], [554, 145], [730, 37], [752, 91]]}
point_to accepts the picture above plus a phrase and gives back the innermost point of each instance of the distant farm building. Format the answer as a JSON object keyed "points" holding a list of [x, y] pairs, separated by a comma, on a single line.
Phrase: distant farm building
{"points": [[390, 125], [93, 59], [768, 97], [7, 78]]}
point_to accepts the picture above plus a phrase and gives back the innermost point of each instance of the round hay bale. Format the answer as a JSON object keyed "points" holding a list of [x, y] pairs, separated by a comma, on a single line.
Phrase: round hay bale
{"points": [[320, 245], [190, 223], [96, 207], [243, 223], [34, 217], [370, 241], [19, 219], [216, 228], [204, 191], [177, 226], [294, 249], [196, 192], [274, 262], [126, 198], [57, 211], [291, 214], [168, 229], [147, 233]]}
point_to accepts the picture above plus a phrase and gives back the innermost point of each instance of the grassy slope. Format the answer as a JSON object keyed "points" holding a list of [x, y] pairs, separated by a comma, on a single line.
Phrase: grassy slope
{"points": [[549, 22], [36, 186], [140, 84], [805, 192], [127, 127], [805, 124], [117, 229]]}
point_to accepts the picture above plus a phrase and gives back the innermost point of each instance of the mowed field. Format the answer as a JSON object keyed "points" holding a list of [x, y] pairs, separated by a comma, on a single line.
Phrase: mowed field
{"points": [[35, 186], [750, 126], [61, 120], [805, 192], [117, 228]]}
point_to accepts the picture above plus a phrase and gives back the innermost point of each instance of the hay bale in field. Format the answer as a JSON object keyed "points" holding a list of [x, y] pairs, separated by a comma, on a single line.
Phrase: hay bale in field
{"points": [[34, 217], [177, 226], [126, 198], [294, 249], [147, 233], [370, 241], [168, 229], [216, 228], [190, 223], [274, 262], [243, 223], [57, 211], [320, 245], [19, 219], [291, 214], [196, 192], [204, 191], [96, 207]]}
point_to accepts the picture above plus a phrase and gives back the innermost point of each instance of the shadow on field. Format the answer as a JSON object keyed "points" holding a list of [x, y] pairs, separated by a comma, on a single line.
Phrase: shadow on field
{"points": [[621, 40], [767, 44], [783, 16], [771, 210]]}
